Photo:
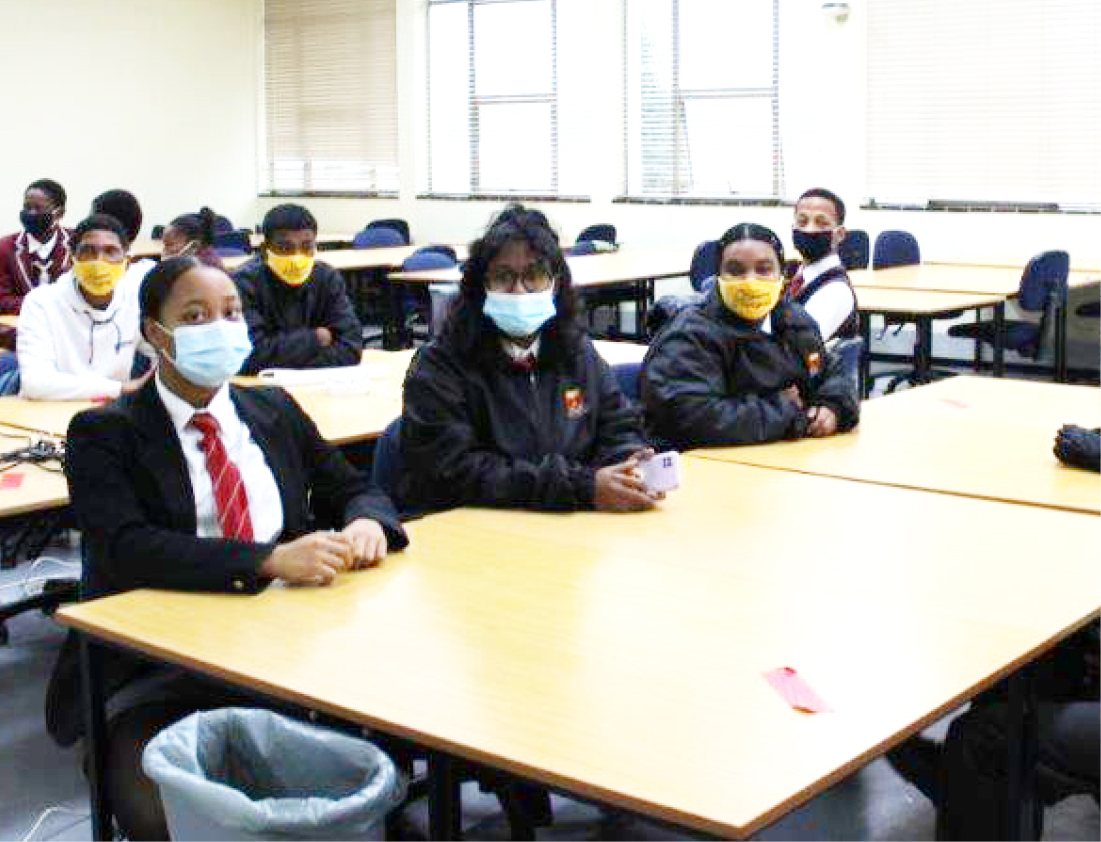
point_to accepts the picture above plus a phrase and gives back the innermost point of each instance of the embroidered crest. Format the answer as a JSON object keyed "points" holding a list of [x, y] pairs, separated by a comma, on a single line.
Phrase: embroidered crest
{"points": [[814, 362], [573, 400]]}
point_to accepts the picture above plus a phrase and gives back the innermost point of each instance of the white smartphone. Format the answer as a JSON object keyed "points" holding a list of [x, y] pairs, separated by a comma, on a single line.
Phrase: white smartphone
{"points": [[662, 472]]}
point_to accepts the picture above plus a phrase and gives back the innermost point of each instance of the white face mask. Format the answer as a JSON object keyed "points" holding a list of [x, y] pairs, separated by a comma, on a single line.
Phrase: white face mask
{"points": [[520, 314], [209, 354]]}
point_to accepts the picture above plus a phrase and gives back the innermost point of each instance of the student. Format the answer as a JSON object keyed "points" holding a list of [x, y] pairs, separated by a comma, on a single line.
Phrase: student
{"points": [[144, 480], [821, 285], [40, 253], [192, 234], [747, 366], [511, 405], [298, 312], [123, 206], [77, 337]]}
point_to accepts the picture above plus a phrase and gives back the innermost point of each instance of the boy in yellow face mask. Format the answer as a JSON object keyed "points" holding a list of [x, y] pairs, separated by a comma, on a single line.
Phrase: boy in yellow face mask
{"points": [[747, 366], [78, 336], [298, 312]]}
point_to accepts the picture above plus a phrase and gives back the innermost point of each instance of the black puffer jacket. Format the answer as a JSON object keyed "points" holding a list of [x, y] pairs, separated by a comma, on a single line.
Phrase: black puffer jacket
{"points": [[711, 378]]}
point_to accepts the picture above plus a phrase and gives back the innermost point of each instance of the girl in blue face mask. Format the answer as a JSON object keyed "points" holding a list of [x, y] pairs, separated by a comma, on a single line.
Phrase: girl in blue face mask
{"points": [[511, 405]]}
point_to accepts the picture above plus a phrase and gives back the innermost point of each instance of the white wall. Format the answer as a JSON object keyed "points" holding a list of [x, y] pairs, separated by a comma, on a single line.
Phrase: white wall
{"points": [[155, 96], [823, 79]]}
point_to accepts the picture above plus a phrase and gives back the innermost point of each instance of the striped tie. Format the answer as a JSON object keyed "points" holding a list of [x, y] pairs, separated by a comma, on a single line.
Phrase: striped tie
{"points": [[229, 489]]}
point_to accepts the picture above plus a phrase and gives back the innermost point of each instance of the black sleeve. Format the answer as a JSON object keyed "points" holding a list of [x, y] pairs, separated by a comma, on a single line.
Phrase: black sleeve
{"points": [[134, 552], [335, 484], [272, 347], [619, 424], [446, 464], [685, 395], [835, 387], [338, 315]]}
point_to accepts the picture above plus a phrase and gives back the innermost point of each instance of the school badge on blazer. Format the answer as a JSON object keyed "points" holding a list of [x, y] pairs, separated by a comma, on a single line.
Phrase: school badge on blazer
{"points": [[573, 401], [814, 362]]}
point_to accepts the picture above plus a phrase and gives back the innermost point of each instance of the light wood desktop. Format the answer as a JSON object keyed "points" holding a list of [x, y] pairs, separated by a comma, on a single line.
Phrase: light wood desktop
{"points": [[148, 247], [48, 417], [10, 320], [621, 656], [955, 277], [39, 488], [969, 436]]}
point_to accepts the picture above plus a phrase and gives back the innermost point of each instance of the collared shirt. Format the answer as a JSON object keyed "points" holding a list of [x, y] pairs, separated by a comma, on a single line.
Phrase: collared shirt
{"points": [[41, 250], [831, 304], [517, 353], [264, 503]]}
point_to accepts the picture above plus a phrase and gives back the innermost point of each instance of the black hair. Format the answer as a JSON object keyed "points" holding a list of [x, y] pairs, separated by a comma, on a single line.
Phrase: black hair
{"points": [[158, 284], [123, 206], [197, 226], [751, 231], [823, 193], [52, 189], [289, 217], [467, 324], [100, 222]]}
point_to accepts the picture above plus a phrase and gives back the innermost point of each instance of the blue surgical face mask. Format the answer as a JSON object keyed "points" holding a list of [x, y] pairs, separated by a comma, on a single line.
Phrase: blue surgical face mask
{"points": [[520, 315], [209, 354]]}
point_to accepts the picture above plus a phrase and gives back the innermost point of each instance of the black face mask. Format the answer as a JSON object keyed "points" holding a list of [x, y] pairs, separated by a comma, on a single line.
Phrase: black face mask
{"points": [[36, 223], [813, 245]]}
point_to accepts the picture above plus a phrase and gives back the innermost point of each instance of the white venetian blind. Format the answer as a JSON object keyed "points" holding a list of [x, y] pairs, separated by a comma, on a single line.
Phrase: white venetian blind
{"points": [[985, 102], [331, 96], [702, 99]]}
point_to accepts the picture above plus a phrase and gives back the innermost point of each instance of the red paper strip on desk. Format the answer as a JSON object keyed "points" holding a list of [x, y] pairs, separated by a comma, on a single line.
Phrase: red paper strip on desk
{"points": [[796, 692], [11, 480]]}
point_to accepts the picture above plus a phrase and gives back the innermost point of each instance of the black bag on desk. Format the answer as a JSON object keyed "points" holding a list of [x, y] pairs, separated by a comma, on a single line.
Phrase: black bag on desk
{"points": [[1079, 447]]}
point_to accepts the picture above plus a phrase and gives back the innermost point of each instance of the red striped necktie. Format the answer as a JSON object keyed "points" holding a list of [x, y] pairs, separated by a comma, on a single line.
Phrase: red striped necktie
{"points": [[796, 283], [229, 489]]}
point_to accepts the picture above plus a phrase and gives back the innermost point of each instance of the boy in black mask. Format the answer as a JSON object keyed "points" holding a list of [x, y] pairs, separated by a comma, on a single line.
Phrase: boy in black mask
{"points": [[821, 284]]}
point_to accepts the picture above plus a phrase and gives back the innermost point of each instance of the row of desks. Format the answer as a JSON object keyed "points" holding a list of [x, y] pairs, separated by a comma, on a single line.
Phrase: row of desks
{"points": [[620, 657]]}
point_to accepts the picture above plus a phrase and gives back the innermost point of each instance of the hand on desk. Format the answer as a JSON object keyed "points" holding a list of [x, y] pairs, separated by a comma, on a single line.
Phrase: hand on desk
{"points": [[620, 488], [368, 542], [791, 393], [822, 421], [313, 559], [324, 336]]}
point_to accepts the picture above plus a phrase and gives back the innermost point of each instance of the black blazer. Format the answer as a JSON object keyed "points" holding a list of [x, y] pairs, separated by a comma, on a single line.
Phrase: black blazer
{"points": [[132, 500]]}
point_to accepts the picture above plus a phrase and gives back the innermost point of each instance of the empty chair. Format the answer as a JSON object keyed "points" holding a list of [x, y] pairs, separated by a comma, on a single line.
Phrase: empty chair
{"points": [[399, 225], [603, 232], [1043, 290], [705, 264], [854, 249], [222, 225], [895, 248], [582, 247], [440, 295], [378, 237], [233, 243]]}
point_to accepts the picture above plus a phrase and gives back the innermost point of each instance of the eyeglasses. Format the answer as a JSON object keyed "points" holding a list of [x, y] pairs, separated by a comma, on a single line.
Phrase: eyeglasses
{"points": [[112, 254], [535, 278]]}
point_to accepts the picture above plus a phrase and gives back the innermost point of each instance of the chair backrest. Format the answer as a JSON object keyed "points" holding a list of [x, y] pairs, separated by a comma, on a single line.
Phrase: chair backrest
{"points": [[854, 249], [1089, 310], [158, 232], [446, 250], [582, 247], [628, 375], [895, 248], [222, 225], [429, 258], [380, 237], [602, 231], [1044, 278], [399, 225], [386, 463], [705, 263], [232, 243], [848, 352]]}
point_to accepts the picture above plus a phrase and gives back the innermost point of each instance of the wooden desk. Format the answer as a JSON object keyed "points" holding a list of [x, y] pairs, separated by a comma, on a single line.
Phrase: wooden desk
{"points": [[968, 436], [10, 320], [48, 417], [955, 277], [40, 489], [148, 247], [620, 656]]}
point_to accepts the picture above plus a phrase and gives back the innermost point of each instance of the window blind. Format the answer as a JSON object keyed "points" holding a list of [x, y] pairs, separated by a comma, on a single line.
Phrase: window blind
{"points": [[985, 102], [330, 97], [702, 116]]}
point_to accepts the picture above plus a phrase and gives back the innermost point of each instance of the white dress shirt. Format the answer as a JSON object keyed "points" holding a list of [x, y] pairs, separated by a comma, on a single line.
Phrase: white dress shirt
{"points": [[831, 304], [264, 503]]}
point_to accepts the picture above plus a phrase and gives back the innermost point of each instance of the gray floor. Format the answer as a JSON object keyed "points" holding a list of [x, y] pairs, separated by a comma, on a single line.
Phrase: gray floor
{"points": [[35, 775]]}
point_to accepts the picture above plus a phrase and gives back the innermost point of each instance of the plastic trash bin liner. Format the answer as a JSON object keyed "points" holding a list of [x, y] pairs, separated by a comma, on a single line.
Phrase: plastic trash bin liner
{"points": [[240, 773]]}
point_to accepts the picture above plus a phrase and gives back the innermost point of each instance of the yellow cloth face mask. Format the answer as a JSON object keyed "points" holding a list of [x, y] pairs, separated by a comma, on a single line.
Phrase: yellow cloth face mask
{"points": [[293, 269], [98, 277], [749, 298]]}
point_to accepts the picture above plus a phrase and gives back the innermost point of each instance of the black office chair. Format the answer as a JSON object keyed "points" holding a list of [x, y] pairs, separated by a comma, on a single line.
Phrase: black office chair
{"points": [[399, 225], [627, 376], [233, 243], [705, 264], [604, 232], [854, 249], [222, 225], [158, 232], [895, 248], [1043, 290]]}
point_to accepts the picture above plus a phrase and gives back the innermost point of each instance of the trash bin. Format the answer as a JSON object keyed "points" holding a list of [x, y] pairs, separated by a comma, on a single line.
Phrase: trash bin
{"points": [[240, 773]]}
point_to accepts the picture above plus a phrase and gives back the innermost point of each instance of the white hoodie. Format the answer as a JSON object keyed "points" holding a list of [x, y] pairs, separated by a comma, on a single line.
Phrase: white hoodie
{"points": [[68, 350]]}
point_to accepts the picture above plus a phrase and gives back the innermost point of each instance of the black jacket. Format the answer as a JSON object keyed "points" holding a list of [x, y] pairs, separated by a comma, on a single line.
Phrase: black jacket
{"points": [[850, 328], [132, 499], [477, 430], [711, 378], [281, 319]]}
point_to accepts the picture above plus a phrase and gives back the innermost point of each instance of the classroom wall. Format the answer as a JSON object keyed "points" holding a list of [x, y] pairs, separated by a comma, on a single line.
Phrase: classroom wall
{"points": [[156, 96], [823, 80]]}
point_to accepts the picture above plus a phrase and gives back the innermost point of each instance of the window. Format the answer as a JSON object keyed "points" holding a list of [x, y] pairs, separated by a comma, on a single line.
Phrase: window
{"points": [[702, 96], [985, 103], [331, 97], [494, 104]]}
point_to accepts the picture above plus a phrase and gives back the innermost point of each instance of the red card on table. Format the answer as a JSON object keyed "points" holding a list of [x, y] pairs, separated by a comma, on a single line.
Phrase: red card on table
{"points": [[958, 404], [11, 480], [796, 692]]}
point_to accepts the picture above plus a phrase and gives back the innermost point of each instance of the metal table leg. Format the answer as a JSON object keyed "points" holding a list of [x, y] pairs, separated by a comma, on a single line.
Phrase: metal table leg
{"points": [[444, 804], [999, 339], [1021, 821], [95, 736]]}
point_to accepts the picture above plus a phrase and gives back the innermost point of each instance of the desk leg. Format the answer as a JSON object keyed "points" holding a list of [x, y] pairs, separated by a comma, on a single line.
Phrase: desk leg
{"points": [[644, 293], [864, 369], [95, 737], [444, 803], [923, 349], [1061, 343], [1021, 821], [999, 339]]}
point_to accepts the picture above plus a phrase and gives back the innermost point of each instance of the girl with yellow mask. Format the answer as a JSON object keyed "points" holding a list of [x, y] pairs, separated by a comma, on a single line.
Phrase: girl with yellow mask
{"points": [[747, 365]]}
